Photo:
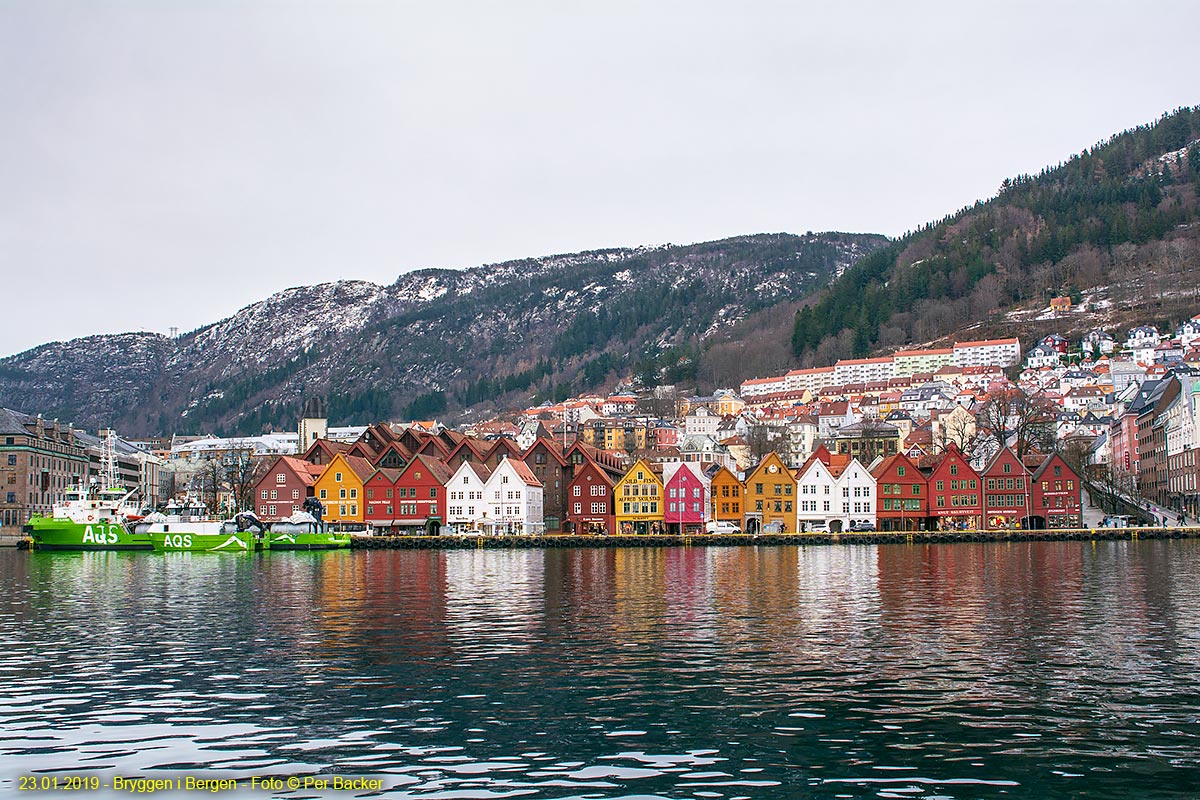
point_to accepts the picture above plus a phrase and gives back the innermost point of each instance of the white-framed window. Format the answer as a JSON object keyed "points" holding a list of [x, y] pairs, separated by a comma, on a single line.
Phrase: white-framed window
{"points": [[280, 477], [578, 490]]}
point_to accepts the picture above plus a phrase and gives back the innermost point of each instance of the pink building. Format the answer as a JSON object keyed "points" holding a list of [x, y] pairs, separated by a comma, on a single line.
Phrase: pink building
{"points": [[686, 498]]}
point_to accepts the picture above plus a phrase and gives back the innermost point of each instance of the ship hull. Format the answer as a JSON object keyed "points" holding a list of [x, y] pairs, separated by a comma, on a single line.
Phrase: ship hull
{"points": [[183, 541], [309, 541], [65, 535]]}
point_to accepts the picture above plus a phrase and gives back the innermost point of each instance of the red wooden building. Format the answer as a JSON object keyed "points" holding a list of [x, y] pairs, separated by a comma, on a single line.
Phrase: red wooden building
{"points": [[379, 500], [1056, 495], [955, 493], [1006, 492], [590, 509], [902, 494], [421, 495], [284, 486]]}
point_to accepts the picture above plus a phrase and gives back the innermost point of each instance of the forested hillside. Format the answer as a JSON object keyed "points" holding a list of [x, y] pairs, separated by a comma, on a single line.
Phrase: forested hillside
{"points": [[1121, 216]]}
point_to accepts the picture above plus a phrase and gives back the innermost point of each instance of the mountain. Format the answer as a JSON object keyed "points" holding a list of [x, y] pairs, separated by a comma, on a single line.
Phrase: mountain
{"points": [[437, 341], [1116, 227]]}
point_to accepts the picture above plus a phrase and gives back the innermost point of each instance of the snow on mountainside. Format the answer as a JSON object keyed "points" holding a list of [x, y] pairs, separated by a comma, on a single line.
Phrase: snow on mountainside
{"points": [[435, 339]]}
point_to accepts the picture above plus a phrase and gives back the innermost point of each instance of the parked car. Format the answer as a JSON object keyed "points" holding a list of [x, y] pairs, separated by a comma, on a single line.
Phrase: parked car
{"points": [[720, 526], [861, 527]]}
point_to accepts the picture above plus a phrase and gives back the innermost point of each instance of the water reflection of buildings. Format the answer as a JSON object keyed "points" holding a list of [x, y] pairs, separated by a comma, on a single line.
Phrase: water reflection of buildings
{"points": [[494, 600]]}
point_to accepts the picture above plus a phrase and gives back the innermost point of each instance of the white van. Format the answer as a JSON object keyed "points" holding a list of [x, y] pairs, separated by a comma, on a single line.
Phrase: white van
{"points": [[721, 526]]}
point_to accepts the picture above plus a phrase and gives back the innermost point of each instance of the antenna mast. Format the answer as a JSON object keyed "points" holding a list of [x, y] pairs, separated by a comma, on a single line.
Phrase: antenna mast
{"points": [[109, 474]]}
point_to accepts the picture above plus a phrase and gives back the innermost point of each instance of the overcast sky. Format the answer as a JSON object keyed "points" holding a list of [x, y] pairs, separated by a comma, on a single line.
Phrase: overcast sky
{"points": [[166, 163]]}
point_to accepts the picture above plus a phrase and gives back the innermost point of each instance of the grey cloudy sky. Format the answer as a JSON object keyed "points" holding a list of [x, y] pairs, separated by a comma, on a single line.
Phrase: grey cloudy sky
{"points": [[165, 163]]}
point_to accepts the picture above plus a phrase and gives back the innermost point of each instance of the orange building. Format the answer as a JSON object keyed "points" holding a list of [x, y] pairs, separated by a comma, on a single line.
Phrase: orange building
{"points": [[340, 488], [770, 497]]}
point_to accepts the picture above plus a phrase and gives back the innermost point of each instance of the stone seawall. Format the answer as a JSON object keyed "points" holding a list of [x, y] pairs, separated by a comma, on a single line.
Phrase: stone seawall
{"points": [[362, 542]]}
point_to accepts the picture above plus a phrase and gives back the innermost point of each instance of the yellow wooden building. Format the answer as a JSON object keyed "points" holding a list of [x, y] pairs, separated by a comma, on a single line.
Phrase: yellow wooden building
{"points": [[639, 500], [340, 488], [727, 498], [770, 497]]}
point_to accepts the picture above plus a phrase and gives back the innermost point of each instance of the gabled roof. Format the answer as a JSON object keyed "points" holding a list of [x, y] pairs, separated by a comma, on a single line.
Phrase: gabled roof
{"points": [[393, 447], [435, 447], [522, 470], [472, 446], [387, 473], [503, 447], [436, 467], [307, 472], [548, 444], [356, 464], [328, 447]]}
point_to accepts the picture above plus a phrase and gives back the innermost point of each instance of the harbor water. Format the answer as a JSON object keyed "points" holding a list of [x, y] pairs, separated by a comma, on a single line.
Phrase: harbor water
{"points": [[991, 670]]}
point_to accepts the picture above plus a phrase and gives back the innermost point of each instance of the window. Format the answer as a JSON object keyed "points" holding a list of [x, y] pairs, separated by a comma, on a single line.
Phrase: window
{"points": [[916, 488], [12, 460], [389, 511], [295, 494], [271, 510], [337, 477], [900, 471], [577, 490], [274, 495], [370, 494], [954, 469], [578, 508], [1057, 469], [323, 494], [341, 494], [597, 508], [263, 495], [433, 492], [1008, 467], [758, 488], [280, 477]]}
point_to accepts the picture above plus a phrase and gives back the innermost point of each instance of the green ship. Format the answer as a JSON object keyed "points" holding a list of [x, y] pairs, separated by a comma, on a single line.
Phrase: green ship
{"points": [[89, 520], [302, 531]]}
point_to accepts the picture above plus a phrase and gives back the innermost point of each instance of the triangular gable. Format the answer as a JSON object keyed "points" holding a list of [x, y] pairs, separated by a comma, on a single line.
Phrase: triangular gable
{"points": [[772, 459], [322, 451], [435, 467], [499, 450], [466, 450], [412, 439], [434, 447], [394, 456], [550, 446]]}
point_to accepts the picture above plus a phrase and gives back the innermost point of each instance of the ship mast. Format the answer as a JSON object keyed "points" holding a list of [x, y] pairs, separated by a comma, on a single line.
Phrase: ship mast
{"points": [[108, 476]]}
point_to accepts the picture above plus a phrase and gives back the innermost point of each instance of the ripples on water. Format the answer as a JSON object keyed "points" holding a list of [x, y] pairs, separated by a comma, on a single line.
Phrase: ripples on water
{"points": [[953, 671]]}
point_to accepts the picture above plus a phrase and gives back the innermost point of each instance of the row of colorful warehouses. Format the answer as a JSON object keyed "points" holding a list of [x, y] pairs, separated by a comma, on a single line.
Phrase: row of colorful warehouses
{"points": [[431, 483]]}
